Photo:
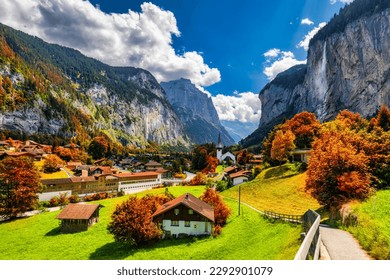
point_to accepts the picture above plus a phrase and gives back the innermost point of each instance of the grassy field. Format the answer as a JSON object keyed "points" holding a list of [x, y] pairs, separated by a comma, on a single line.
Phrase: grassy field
{"points": [[248, 236], [54, 175], [373, 227], [279, 189]]}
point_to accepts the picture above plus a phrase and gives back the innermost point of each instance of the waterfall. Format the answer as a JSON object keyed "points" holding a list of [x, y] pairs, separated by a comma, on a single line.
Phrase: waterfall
{"points": [[321, 85]]}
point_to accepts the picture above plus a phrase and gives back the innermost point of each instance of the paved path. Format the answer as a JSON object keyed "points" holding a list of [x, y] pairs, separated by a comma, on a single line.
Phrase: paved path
{"points": [[340, 245]]}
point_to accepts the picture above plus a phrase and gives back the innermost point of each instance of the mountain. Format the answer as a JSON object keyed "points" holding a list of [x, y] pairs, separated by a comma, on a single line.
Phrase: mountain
{"points": [[47, 89], [197, 112], [348, 67], [239, 130]]}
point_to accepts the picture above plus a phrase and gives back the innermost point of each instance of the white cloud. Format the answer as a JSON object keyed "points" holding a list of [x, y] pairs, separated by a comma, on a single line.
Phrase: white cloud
{"points": [[342, 1], [306, 21], [131, 39], [243, 107], [279, 61], [305, 42]]}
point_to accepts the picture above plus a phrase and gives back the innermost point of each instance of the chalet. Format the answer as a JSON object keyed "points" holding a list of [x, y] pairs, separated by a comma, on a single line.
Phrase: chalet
{"points": [[153, 166], [239, 177], [185, 215], [16, 154], [78, 217], [231, 169], [301, 155], [72, 165]]}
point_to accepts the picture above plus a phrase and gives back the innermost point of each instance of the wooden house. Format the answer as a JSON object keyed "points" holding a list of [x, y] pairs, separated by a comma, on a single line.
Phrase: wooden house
{"points": [[185, 215], [78, 217]]}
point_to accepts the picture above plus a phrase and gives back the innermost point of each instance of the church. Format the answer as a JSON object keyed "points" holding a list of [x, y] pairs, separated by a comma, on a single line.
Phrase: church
{"points": [[222, 157]]}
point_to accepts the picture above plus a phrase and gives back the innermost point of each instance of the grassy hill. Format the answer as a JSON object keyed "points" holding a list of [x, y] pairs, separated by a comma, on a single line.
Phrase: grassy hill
{"points": [[280, 189], [373, 224], [248, 236]]}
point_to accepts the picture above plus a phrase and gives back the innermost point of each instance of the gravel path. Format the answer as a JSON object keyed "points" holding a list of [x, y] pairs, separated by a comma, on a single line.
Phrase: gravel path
{"points": [[340, 245]]}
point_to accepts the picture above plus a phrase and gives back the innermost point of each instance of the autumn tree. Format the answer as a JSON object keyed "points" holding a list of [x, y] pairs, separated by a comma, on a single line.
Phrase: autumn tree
{"points": [[132, 223], [305, 127], [52, 163], [98, 147], [19, 185], [199, 179], [338, 171], [221, 210], [282, 145], [212, 163], [243, 157], [383, 119], [267, 146]]}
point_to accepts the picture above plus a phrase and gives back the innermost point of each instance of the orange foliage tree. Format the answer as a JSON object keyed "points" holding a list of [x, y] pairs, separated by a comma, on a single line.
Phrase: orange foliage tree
{"points": [[199, 179], [212, 163], [338, 171], [131, 223], [52, 163], [19, 185], [98, 147], [221, 210], [282, 145], [305, 127]]}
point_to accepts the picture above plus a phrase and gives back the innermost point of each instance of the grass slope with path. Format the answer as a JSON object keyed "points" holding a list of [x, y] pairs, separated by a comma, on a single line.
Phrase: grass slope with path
{"points": [[248, 236], [280, 189], [372, 229]]}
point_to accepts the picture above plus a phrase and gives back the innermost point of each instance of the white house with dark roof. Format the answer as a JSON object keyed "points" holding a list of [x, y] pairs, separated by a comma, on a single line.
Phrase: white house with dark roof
{"points": [[185, 215]]}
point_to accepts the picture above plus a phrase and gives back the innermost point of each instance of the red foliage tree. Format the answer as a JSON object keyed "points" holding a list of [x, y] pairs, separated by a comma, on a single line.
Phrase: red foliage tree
{"points": [[19, 185], [132, 220], [221, 210]]}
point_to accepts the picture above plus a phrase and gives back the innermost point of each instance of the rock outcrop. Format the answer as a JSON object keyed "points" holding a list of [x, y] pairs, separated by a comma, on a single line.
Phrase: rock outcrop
{"points": [[348, 67], [197, 112]]}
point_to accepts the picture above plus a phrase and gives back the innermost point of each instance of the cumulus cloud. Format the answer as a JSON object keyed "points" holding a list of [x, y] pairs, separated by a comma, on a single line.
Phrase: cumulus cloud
{"points": [[141, 39], [305, 42], [306, 21], [243, 107], [279, 61]]}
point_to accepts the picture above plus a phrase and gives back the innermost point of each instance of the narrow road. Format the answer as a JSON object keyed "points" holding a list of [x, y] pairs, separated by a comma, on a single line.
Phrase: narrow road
{"points": [[340, 245]]}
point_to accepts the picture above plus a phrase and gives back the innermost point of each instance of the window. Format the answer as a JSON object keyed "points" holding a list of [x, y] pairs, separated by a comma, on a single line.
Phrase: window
{"points": [[174, 223], [190, 211], [187, 223], [176, 211]]}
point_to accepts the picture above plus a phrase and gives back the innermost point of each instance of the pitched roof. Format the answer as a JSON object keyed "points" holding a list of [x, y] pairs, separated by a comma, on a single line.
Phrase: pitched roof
{"points": [[242, 173], [199, 206], [78, 211], [153, 163], [136, 175], [56, 181]]}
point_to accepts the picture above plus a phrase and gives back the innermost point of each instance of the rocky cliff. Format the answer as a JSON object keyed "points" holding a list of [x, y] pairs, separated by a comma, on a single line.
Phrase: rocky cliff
{"points": [[52, 90], [197, 112], [348, 67]]}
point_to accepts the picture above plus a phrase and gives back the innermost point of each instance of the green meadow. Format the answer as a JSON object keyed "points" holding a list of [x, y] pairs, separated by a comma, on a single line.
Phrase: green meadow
{"points": [[372, 228], [248, 236], [280, 189]]}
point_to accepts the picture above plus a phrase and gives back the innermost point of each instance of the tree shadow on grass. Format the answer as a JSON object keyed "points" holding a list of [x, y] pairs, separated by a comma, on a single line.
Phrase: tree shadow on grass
{"points": [[120, 251]]}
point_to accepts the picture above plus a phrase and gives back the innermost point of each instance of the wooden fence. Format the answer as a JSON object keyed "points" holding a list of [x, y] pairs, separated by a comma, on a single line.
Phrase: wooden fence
{"points": [[285, 217], [310, 247]]}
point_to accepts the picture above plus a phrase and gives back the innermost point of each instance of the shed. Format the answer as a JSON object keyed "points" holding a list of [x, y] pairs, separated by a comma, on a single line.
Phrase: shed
{"points": [[78, 217]]}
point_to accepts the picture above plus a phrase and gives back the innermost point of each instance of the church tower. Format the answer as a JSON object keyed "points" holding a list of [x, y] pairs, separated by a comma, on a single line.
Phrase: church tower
{"points": [[219, 148]]}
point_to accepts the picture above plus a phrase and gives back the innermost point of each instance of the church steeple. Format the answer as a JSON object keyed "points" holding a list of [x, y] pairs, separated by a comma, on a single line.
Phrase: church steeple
{"points": [[219, 148], [219, 145]]}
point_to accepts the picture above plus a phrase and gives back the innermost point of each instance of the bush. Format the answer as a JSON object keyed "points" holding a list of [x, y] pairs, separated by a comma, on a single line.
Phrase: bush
{"points": [[74, 198]]}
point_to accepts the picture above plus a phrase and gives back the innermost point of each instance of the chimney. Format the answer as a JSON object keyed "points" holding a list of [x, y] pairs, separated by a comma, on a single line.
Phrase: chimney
{"points": [[84, 173], [186, 195]]}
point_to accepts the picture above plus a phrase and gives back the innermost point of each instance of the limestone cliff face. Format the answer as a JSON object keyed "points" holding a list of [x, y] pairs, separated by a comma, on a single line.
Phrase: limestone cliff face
{"points": [[347, 69], [81, 96], [197, 112]]}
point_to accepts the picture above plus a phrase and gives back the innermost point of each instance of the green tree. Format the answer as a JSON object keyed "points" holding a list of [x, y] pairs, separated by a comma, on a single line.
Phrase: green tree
{"points": [[19, 185]]}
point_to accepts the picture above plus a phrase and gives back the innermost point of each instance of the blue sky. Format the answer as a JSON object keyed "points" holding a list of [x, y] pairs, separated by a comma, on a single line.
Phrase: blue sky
{"points": [[228, 48]]}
